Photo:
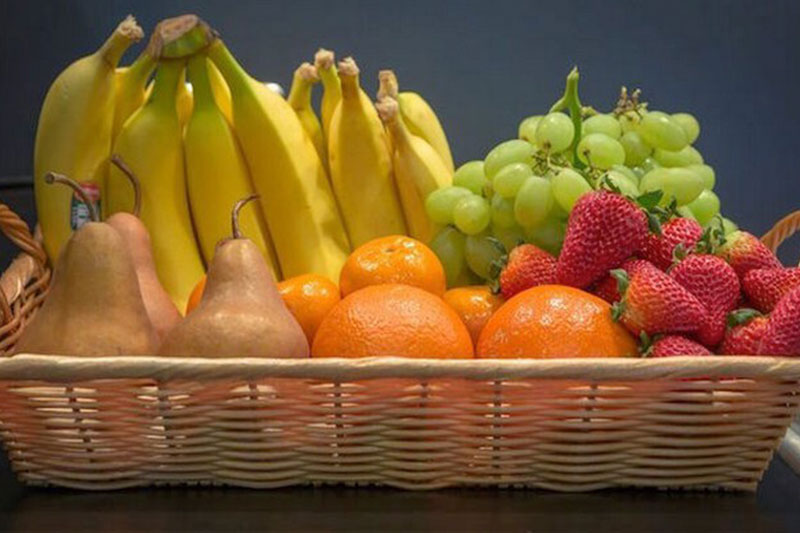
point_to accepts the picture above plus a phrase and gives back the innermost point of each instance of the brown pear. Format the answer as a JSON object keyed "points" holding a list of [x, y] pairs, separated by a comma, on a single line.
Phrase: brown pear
{"points": [[160, 309], [241, 313], [94, 306]]}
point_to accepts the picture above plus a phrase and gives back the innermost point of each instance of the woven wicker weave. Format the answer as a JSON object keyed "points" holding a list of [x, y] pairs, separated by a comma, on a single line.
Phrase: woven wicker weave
{"points": [[569, 424]]}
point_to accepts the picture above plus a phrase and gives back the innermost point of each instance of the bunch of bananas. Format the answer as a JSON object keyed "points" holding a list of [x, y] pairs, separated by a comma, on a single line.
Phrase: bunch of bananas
{"points": [[325, 186]]}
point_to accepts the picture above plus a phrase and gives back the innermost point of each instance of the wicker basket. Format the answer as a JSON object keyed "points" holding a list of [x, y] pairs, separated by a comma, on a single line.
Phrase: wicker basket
{"points": [[568, 425]]}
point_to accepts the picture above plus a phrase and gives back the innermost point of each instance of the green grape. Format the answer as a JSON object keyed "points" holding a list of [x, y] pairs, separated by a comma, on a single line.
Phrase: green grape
{"points": [[448, 245], [601, 123], [471, 214], [534, 201], [470, 176], [679, 183], [600, 151], [636, 150], [706, 173], [502, 212], [440, 203], [660, 131], [510, 237], [649, 164], [629, 121], [510, 178], [639, 172], [682, 158], [527, 128], [705, 207], [729, 226], [481, 251], [622, 182], [689, 124], [628, 172], [555, 132], [569, 185], [558, 212], [548, 236], [505, 153], [685, 212]]}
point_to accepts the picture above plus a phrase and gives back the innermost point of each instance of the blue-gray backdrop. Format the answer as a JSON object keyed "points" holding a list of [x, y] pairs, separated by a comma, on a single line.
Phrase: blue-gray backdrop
{"points": [[483, 65]]}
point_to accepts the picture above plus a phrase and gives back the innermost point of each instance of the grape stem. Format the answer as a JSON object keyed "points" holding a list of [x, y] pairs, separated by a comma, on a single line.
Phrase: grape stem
{"points": [[572, 103]]}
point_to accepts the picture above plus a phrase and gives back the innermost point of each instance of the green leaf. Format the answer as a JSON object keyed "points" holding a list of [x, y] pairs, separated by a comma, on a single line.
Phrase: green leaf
{"points": [[653, 223], [742, 316], [617, 309], [623, 281], [651, 199]]}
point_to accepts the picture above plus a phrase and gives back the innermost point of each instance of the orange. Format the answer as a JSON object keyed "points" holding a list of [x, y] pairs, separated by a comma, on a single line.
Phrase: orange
{"points": [[393, 319], [309, 297], [392, 259], [555, 321], [475, 305], [197, 295]]}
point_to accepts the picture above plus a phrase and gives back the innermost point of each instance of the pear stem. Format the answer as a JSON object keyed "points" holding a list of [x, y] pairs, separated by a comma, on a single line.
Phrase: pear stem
{"points": [[237, 232], [54, 177], [135, 183]]}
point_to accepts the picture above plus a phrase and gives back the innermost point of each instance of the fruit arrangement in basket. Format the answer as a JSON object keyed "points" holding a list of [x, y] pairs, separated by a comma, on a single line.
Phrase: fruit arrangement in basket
{"points": [[280, 232]]}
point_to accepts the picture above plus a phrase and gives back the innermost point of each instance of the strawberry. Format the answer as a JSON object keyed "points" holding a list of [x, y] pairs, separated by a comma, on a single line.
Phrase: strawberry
{"points": [[653, 302], [766, 286], [745, 252], [604, 229], [671, 345], [607, 289], [746, 330], [527, 266], [678, 231], [716, 285], [782, 333]]}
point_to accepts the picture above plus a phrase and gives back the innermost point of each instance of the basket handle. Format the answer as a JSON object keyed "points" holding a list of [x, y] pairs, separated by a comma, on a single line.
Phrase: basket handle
{"points": [[782, 230], [18, 232]]}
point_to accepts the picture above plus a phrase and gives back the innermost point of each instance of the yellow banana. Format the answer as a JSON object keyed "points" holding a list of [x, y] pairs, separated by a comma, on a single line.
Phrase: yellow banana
{"points": [[185, 100], [361, 166], [216, 173], [300, 99], [151, 145], [129, 88], [74, 136], [418, 171], [418, 116], [331, 86], [294, 191], [222, 94]]}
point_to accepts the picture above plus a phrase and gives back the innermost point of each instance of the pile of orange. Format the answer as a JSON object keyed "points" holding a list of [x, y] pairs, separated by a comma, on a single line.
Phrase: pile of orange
{"points": [[391, 301]]}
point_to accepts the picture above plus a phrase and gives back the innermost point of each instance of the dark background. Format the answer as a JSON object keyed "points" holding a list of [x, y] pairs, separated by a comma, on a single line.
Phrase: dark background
{"points": [[484, 65]]}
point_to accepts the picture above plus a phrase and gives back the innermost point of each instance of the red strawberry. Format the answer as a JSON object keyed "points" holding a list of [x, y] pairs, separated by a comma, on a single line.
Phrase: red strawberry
{"points": [[671, 345], [527, 266], [604, 229], [766, 286], [782, 334], [653, 302], [745, 252], [659, 249], [607, 289], [715, 284], [745, 334]]}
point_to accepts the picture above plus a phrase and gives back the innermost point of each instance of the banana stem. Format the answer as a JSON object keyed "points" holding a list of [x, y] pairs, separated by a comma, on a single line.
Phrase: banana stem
{"points": [[127, 33], [235, 230], [348, 75], [135, 183], [387, 84], [54, 177], [305, 77], [572, 103]]}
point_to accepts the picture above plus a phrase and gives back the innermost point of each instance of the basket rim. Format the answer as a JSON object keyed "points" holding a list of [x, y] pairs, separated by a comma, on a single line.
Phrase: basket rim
{"points": [[70, 369]]}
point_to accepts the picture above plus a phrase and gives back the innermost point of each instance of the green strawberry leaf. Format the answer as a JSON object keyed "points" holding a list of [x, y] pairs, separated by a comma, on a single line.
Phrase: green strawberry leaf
{"points": [[623, 281], [742, 316], [617, 310], [651, 199]]}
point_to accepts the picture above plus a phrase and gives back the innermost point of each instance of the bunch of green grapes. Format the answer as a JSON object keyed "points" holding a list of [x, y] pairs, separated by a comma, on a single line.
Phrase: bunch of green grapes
{"points": [[525, 188]]}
